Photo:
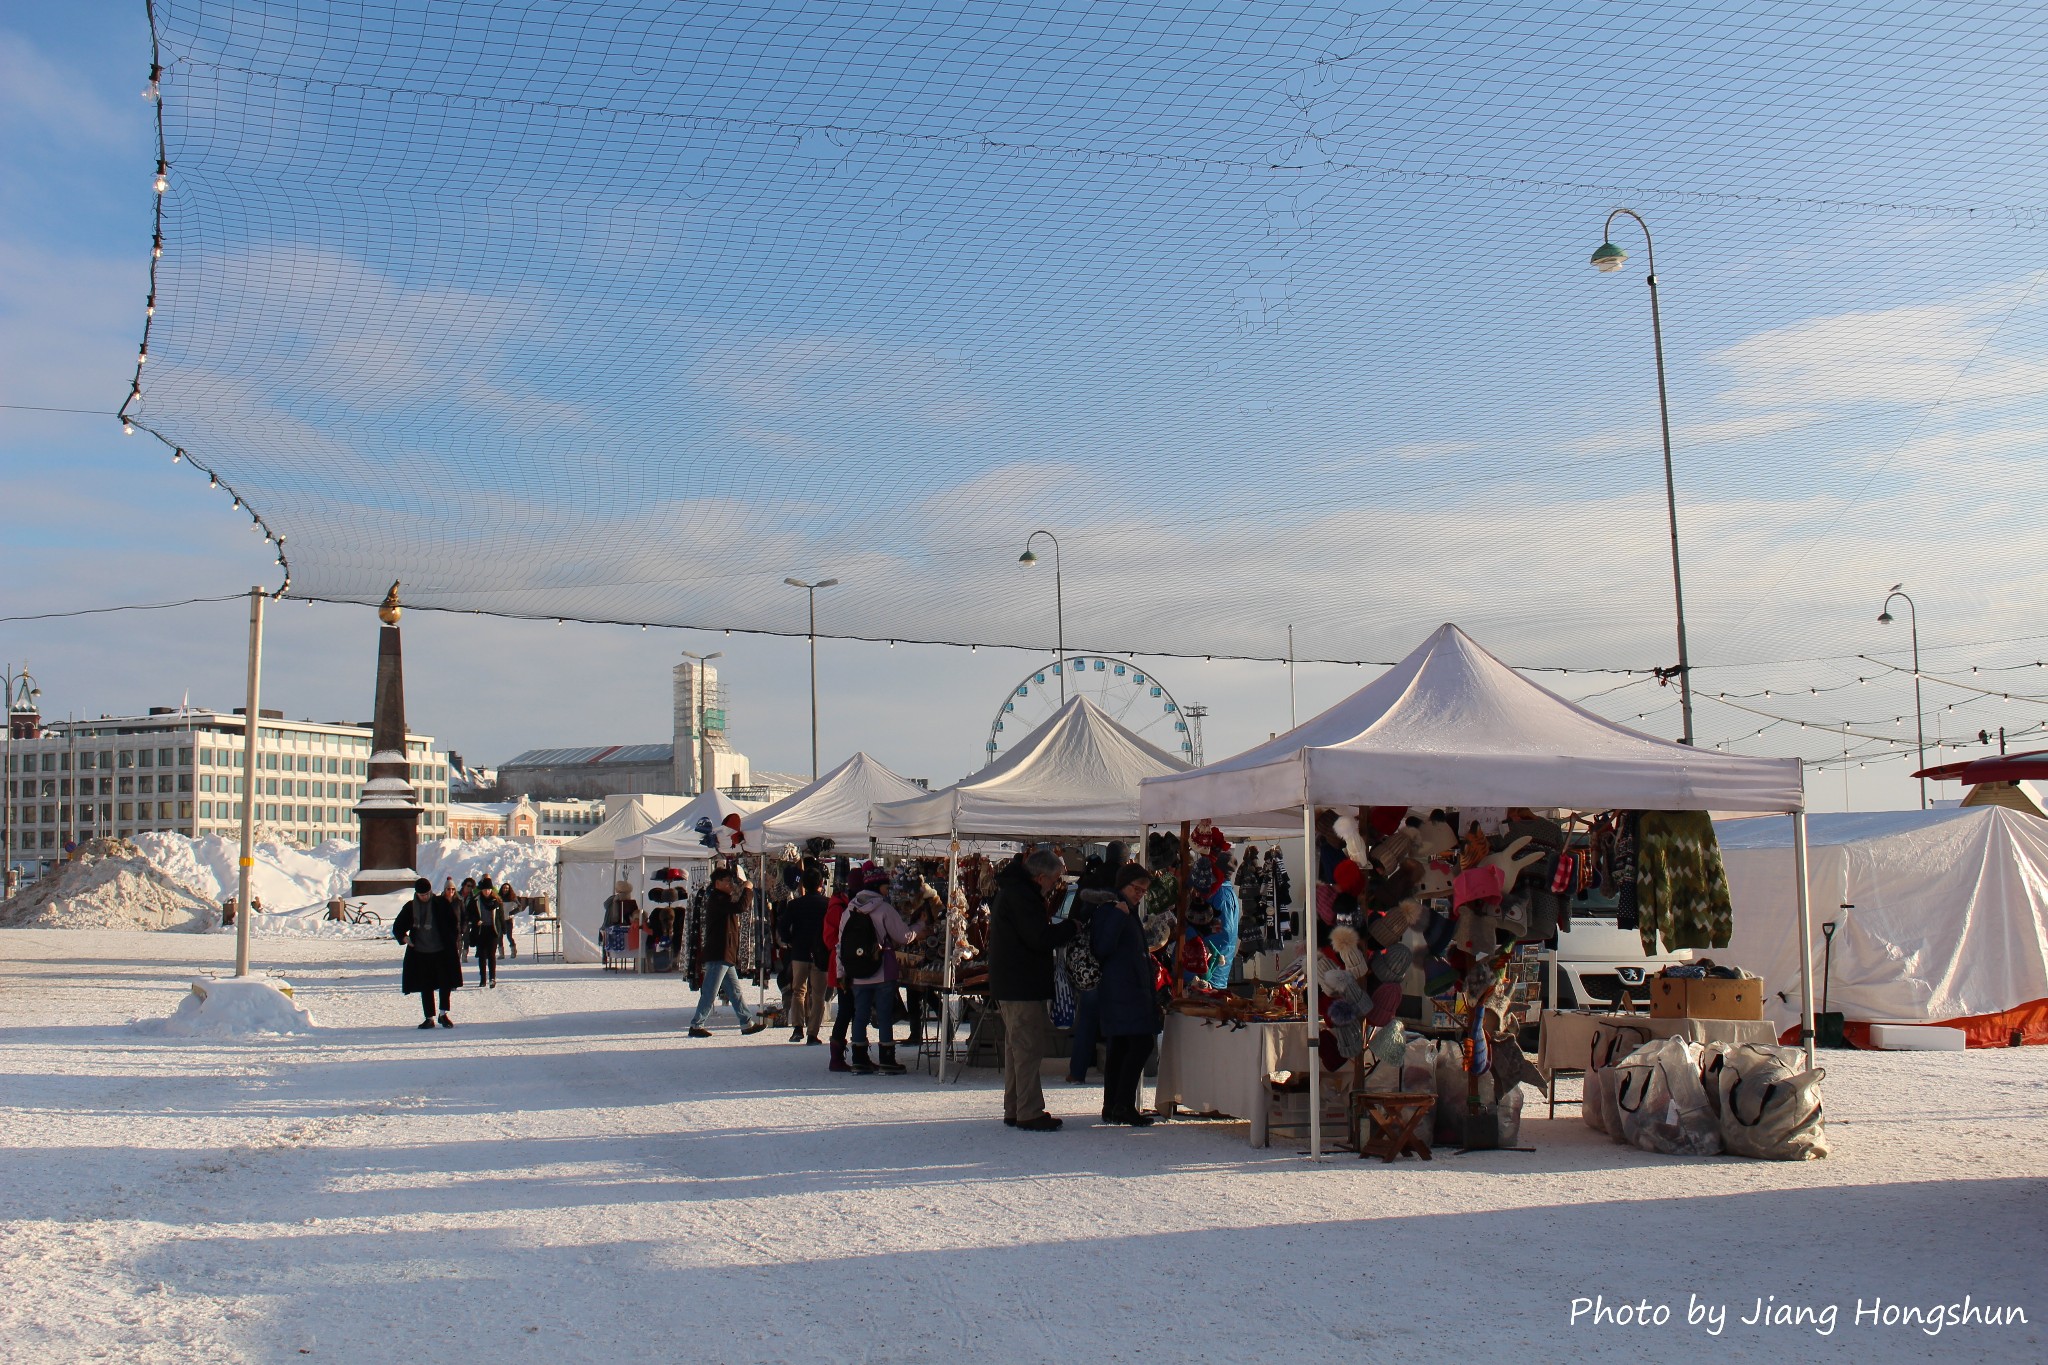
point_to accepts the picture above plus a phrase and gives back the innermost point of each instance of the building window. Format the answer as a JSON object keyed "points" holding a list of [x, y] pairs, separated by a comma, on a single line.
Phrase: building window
{"points": [[163, 782], [184, 782], [145, 758], [127, 809], [163, 810], [184, 810], [127, 758], [49, 763], [206, 810]]}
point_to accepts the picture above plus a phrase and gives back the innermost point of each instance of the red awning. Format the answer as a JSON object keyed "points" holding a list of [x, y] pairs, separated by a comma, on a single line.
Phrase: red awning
{"points": [[2031, 767]]}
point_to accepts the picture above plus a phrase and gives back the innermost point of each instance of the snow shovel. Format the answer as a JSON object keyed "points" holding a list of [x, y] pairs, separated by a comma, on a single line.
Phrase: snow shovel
{"points": [[1827, 1024]]}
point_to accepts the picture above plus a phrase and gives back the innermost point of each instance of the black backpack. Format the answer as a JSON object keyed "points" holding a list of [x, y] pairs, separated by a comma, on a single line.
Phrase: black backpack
{"points": [[860, 948]]}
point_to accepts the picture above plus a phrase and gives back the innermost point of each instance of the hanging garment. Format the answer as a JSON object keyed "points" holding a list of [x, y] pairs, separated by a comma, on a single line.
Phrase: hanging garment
{"points": [[1681, 887], [1621, 870]]}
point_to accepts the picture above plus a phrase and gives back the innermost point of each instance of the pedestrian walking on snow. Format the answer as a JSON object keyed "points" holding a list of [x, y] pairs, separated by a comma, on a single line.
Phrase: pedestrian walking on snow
{"points": [[801, 930], [870, 931], [1127, 1000], [723, 903], [429, 929], [480, 931]]}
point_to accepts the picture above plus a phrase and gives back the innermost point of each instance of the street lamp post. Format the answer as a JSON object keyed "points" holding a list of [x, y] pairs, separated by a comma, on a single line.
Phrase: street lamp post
{"points": [[699, 704], [1884, 618], [811, 590], [1609, 258], [1059, 603]]}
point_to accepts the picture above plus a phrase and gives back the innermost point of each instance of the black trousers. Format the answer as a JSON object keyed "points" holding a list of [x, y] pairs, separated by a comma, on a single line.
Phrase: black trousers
{"points": [[842, 1017], [486, 959], [1123, 1067], [427, 1003]]}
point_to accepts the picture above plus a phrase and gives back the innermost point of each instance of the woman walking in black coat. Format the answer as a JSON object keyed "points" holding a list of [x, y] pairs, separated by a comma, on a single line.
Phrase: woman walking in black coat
{"points": [[480, 931], [1127, 1000], [428, 928]]}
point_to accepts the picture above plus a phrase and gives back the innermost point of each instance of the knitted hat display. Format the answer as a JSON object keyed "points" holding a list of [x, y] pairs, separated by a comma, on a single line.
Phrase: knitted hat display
{"points": [[1346, 908], [1391, 924], [1396, 885], [1389, 1043], [1350, 1038], [1201, 914], [669, 874], [1486, 882], [1478, 930], [1348, 833], [1345, 940], [1327, 1051], [1342, 1012], [1381, 821], [1326, 903], [1436, 879], [1349, 877], [1391, 964], [1443, 977], [1399, 847], [1437, 834], [1440, 930], [1386, 1003]]}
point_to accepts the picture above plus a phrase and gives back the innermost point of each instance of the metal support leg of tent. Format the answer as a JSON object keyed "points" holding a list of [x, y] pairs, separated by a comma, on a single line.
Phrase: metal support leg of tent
{"points": [[1805, 934], [1310, 963], [947, 978]]}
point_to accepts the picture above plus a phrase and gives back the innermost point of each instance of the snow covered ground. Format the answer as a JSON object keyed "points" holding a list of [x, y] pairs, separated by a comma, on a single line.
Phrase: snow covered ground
{"points": [[565, 1178]]}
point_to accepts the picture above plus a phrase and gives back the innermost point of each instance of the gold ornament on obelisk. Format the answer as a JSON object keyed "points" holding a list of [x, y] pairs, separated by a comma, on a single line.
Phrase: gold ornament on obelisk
{"points": [[389, 612]]}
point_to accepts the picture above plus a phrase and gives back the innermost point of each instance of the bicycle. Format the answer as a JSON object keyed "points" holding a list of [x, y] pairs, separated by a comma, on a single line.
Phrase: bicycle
{"points": [[353, 912]]}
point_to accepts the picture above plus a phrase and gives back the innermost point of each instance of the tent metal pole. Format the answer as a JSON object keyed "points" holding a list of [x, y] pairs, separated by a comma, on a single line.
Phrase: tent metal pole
{"points": [[946, 977], [1805, 934], [1311, 961]]}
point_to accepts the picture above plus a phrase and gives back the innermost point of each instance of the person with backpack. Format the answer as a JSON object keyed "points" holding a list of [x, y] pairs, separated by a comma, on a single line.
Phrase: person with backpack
{"points": [[1127, 1000], [508, 906], [724, 903], [1084, 974], [870, 930]]}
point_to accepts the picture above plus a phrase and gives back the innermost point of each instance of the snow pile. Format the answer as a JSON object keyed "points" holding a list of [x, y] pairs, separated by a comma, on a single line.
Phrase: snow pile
{"points": [[284, 876], [110, 884], [528, 866], [233, 1007]]}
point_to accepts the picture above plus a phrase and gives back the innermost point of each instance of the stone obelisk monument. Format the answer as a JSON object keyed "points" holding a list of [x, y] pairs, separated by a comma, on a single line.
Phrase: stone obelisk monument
{"points": [[389, 811]]}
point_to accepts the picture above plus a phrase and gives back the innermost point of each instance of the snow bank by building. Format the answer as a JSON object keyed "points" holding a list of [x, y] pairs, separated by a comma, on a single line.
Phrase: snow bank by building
{"points": [[109, 885], [288, 877], [234, 1007]]}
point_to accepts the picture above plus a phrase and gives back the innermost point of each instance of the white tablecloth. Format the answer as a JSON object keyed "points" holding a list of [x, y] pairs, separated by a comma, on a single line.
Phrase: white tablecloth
{"points": [[1567, 1038], [1212, 1067]]}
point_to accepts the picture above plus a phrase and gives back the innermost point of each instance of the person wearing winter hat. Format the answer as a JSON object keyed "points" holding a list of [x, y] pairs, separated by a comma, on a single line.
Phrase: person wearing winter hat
{"points": [[508, 906], [1021, 940], [801, 929], [480, 931], [723, 904], [429, 928], [1126, 1002], [870, 930]]}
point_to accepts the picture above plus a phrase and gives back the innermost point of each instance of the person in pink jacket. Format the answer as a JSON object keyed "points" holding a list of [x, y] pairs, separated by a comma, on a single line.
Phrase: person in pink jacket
{"points": [[870, 931]]}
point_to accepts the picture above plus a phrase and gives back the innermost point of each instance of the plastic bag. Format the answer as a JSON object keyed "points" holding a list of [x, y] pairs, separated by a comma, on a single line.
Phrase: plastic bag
{"points": [[1770, 1107], [1418, 1067], [1510, 1111], [1450, 1093], [1611, 1043], [1662, 1104]]}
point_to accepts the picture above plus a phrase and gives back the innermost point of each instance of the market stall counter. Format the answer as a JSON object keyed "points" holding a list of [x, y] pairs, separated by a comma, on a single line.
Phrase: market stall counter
{"points": [[1566, 1037], [1220, 1066]]}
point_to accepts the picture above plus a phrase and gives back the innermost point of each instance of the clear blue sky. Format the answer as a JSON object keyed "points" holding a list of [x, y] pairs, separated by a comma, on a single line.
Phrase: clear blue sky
{"points": [[828, 329]]}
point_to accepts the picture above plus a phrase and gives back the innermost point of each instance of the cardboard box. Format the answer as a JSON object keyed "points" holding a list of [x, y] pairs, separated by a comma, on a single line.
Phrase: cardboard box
{"points": [[1709, 998]]}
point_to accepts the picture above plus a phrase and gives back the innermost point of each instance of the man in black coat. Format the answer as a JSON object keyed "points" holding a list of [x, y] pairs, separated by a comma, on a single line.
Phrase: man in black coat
{"points": [[430, 930], [1021, 939], [800, 928]]}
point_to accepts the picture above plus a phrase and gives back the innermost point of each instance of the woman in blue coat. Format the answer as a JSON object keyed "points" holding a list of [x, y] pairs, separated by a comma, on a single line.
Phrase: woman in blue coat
{"points": [[1126, 1001]]}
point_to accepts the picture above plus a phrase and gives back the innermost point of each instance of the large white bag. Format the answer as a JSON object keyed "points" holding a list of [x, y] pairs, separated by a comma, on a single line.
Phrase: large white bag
{"points": [[1611, 1042], [1662, 1104], [1770, 1106]]}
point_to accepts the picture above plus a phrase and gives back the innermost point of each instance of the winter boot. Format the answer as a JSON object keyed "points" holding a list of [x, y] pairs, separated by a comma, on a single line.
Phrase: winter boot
{"points": [[838, 1058], [889, 1065], [861, 1065]]}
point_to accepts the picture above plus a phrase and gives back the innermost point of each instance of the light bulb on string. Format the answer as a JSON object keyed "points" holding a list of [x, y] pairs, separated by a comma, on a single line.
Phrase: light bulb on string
{"points": [[213, 481], [177, 455], [238, 505], [127, 427], [156, 249], [162, 181]]}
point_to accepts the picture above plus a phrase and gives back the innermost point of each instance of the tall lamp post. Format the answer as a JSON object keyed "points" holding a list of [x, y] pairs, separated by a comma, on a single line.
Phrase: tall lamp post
{"points": [[1059, 602], [701, 703], [811, 590], [1884, 618], [1609, 258]]}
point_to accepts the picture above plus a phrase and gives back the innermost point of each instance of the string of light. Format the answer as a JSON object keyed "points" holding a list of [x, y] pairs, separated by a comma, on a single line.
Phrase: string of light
{"points": [[130, 424]]}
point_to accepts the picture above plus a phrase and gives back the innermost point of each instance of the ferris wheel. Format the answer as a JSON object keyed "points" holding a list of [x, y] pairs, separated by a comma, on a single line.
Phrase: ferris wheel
{"points": [[1133, 697]]}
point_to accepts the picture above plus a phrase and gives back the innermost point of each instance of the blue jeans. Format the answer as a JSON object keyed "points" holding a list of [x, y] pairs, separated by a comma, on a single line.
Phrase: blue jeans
{"points": [[877, 1002], [720, 978], [1084, 1036]]}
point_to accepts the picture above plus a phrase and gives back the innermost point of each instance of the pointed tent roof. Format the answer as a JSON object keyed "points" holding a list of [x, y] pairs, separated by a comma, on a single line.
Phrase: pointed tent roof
{"points": [[834, 807], [635, 815], [677, 837], [1077, 774], [1451, 725]]}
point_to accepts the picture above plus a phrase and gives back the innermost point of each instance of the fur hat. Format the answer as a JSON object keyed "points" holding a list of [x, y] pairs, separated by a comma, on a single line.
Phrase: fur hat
{"points": [[1349, 876], [1389, 925], [1345, 940], [622, 888]]}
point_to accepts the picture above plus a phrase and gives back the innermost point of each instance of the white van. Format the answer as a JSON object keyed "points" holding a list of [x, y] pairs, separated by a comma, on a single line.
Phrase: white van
{"points": [[1597, 963]]}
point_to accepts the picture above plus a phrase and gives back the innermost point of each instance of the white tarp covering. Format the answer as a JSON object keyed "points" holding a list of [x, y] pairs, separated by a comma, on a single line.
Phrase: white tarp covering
{"points": [[587, 866], [676, 836], [1451, 725], [1950, 918], [834, 807], [1076, 774]]}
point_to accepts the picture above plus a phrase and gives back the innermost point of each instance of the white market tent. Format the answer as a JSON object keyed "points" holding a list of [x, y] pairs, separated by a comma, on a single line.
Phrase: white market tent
{"points": [[834, 807], [586, 867], [1077, 774], [1453, 726], [1949, 925], [676, 837]]}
